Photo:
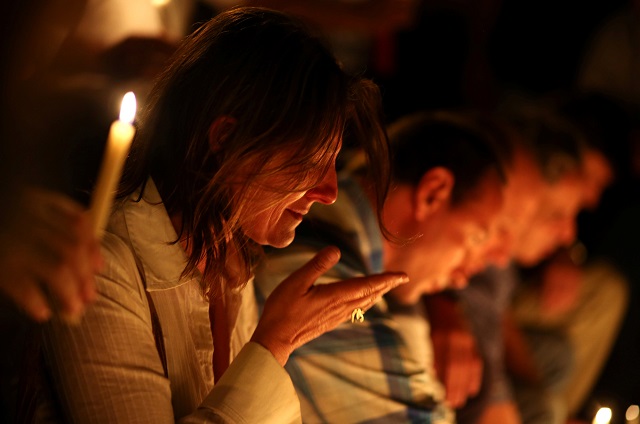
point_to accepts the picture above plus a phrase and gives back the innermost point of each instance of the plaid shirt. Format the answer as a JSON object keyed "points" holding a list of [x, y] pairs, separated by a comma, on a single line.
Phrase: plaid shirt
{"points": [[379, 371]]}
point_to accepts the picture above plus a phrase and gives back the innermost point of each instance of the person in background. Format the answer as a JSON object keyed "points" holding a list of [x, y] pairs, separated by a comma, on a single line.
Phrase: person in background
{"points": [[525, 379], [445, 197], [47, 251], [456, 351], [609, 64], [581, 292]]}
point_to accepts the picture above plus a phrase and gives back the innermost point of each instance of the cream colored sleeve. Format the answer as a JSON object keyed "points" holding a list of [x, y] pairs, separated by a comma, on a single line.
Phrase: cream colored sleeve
{"points": [[107, 370], [255, 389]]}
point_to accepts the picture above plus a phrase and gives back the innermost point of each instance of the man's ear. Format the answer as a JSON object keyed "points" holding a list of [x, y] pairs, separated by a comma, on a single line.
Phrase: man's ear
{"points": [[432, 192], [219, 130]]}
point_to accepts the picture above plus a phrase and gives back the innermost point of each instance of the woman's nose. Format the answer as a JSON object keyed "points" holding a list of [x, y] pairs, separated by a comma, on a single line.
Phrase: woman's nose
{"points": [[327, 190]]}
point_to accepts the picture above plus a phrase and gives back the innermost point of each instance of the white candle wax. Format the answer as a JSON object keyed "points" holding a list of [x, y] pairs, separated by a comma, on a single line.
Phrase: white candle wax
{"points": [[120, 137]]}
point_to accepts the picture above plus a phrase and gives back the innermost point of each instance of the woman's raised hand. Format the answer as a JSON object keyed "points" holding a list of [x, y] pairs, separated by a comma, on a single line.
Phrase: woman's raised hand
{"points": [[297, 311]]}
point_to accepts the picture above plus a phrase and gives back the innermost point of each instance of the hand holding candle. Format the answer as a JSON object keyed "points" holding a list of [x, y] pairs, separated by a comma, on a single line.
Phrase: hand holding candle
{"points": [[120, 137]]}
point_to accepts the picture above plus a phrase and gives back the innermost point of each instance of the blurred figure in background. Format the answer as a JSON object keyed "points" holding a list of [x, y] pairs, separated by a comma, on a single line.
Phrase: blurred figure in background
{"points": [[46, 248], [456, 349], [48, 253], [542, 198], [578, 291], [610, 62], [561, 312]]}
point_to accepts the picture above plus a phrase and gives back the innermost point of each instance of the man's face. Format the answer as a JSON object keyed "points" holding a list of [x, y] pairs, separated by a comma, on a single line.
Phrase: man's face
{"points": [[450, 240], [597, 175], [554, 223], [522, 197]]}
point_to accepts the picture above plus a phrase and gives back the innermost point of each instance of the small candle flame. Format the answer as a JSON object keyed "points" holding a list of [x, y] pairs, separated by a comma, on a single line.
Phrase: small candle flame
{"points": [[128, 108]]}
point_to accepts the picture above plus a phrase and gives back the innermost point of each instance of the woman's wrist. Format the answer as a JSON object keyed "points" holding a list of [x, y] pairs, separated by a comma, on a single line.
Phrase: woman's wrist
{"points": [[280, 351]]}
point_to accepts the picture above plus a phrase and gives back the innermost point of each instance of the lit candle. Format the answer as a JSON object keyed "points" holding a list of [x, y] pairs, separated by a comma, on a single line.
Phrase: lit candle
{"points": [[115, 153], [603, 416]]}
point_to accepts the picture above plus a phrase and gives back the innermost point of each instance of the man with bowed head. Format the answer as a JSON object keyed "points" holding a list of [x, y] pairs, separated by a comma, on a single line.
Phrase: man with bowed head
{"points": [[445, 197], [525, 372]]}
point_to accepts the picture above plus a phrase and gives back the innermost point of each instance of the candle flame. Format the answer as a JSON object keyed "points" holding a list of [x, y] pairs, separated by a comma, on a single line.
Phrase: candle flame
{"points": [[632, 413], [128, 108], [603, 416]]}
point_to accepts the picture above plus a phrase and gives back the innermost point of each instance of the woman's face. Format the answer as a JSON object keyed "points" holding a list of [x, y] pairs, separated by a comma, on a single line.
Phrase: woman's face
{"points": [[274, 212]]}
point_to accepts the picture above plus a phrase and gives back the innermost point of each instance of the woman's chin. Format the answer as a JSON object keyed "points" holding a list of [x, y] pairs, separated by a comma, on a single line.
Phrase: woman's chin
{"points": [[282, 242], [278, 239]]}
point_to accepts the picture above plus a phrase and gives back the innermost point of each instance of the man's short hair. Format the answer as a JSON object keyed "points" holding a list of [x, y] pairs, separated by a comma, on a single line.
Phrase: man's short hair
{"points": [[425, 140]]}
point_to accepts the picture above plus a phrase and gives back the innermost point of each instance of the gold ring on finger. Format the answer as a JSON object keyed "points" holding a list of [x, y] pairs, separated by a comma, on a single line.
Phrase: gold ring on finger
{"points": [[357, 315]]}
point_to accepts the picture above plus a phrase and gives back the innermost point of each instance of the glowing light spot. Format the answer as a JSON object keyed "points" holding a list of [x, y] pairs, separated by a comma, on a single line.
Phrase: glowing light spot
{"points": [[128, 108], [603, 416]]}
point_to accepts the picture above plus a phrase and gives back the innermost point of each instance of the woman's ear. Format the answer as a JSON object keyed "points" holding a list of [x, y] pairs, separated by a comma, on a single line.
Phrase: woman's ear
{"points": [[432, 192], [219, 131]]}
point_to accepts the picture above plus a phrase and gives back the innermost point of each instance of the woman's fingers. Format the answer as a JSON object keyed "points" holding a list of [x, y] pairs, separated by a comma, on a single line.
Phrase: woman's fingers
{"points": [[305, 276], [362, 288], [292, 317]]}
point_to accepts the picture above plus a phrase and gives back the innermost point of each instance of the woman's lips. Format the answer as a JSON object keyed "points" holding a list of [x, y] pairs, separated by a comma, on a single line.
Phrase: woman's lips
{"points": [[296, 215]]}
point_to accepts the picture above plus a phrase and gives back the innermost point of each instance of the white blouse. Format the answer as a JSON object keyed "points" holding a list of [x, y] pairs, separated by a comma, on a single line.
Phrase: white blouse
{"points": [[107, 368]]}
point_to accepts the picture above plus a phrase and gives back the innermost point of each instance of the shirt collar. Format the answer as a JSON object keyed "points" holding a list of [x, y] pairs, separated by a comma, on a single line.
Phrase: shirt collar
{"points": [[152, 237]]}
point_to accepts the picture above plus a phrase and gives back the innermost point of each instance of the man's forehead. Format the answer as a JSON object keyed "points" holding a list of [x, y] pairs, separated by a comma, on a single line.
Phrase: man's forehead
{"points": [[565, 194], [485, 207]]}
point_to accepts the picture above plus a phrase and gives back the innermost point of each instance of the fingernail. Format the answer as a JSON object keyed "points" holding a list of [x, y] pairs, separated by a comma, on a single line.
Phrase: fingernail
{"points": [[333, 252]]}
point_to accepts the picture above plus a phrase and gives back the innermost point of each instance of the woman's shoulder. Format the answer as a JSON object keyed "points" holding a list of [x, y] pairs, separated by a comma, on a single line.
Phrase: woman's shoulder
{"points": [[121, 267]]}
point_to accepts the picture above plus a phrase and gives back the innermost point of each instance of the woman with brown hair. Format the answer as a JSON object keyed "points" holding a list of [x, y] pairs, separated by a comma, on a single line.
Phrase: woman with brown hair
{"points": [[239, 139]]}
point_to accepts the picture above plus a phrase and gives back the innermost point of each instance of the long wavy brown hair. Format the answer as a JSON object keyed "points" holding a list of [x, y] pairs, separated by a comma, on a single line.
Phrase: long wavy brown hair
{"points": [[283, 92]]}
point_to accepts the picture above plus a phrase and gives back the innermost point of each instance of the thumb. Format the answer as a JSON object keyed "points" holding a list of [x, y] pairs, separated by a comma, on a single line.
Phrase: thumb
{"points": [[306, 275]]}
